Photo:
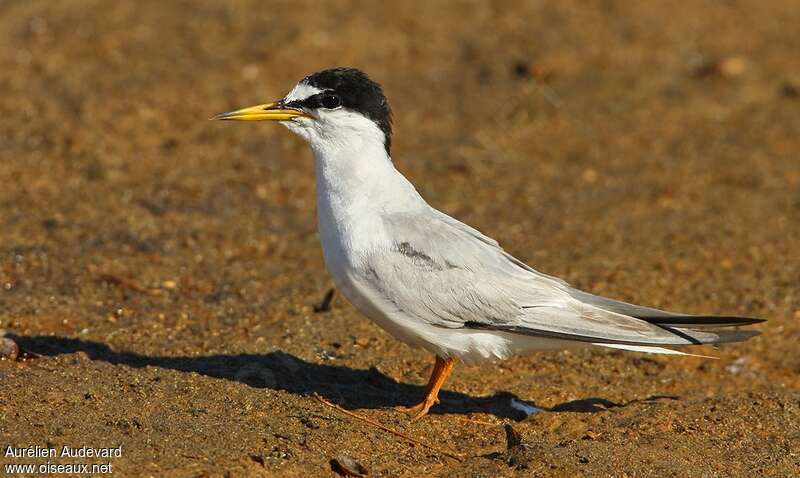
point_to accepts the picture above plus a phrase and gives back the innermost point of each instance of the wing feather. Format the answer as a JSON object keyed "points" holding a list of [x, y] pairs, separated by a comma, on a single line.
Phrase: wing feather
{"points": [[447, 274]]}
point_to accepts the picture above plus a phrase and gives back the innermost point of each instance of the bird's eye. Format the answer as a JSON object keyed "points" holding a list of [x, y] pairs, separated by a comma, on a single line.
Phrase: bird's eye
{"points": [[330, 101]]}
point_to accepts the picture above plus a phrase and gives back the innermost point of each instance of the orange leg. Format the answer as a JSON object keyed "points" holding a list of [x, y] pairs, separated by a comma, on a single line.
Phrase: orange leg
{"points": [[441, 370]]}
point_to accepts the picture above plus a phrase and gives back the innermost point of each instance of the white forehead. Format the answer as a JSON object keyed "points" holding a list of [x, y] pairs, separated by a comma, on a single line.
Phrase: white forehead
{"points": [[302, 91]]}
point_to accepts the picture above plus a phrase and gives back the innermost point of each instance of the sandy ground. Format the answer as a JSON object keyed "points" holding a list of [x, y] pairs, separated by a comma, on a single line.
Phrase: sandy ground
{"points": [[159, 271]]}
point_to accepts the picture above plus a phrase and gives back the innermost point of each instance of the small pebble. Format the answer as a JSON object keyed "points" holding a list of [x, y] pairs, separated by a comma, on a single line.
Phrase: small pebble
{"points": [[790, 90], [729, 67], [8, 349], [169, 284], [347, 466], [521, 69], [738, 366], [362, 341]]}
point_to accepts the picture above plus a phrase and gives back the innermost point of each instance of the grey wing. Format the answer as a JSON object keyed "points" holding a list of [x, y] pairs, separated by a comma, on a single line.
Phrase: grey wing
{"points": [[449, 275]]}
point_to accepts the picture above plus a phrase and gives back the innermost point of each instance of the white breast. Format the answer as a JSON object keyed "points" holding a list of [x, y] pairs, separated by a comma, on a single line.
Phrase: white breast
{"points": [[353, 192]]}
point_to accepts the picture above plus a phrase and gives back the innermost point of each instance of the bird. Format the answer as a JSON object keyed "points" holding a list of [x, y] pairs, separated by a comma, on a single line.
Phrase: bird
{"points": [[430, 280]]}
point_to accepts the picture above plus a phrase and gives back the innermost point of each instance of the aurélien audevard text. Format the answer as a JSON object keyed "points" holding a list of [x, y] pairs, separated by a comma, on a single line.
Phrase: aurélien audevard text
{"points": [[66, 451]]}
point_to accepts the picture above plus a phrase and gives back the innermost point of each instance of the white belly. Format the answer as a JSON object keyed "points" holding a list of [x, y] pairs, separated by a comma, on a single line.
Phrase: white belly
{"points": [[342, 258]]}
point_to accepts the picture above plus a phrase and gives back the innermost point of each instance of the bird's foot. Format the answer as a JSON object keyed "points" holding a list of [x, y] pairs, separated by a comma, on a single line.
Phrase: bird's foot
{"points": [[419, 410], [441, 370]]}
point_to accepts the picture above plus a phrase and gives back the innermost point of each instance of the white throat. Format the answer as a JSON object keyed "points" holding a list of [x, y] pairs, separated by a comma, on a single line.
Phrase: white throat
{"points": [[354, 171], [356, 178], [357, 184]]}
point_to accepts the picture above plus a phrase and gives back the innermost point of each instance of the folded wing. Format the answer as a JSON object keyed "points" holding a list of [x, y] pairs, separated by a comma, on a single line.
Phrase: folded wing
{"points": [[449, 275]]}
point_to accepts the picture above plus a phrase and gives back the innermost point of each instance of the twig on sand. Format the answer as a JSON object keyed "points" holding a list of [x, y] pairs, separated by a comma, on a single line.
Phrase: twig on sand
{"points": [[325, 304], [372, 422]]}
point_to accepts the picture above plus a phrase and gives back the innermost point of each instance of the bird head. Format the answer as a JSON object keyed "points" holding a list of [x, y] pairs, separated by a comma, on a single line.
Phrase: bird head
{"points": [[329, 109]]}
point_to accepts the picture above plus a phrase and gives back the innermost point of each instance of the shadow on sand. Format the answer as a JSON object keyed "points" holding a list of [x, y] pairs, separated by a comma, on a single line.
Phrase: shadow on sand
{"points": [[352, 388]]}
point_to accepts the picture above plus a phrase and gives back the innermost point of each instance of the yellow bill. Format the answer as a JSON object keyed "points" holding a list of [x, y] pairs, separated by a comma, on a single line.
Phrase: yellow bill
{"points": [[265, 112]]}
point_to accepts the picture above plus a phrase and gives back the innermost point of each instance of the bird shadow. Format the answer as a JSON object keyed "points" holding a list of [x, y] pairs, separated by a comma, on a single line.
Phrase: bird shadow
{"points": [[352, 388]]}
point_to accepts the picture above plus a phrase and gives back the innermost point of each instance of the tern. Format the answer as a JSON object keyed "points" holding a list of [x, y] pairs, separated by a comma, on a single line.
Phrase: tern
{"points": [[430, 280]]}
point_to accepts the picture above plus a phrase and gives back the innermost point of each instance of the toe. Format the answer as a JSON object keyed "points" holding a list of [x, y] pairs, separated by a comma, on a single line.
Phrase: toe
{"points": [[420, 414], [412, 410], [419, 410]]}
